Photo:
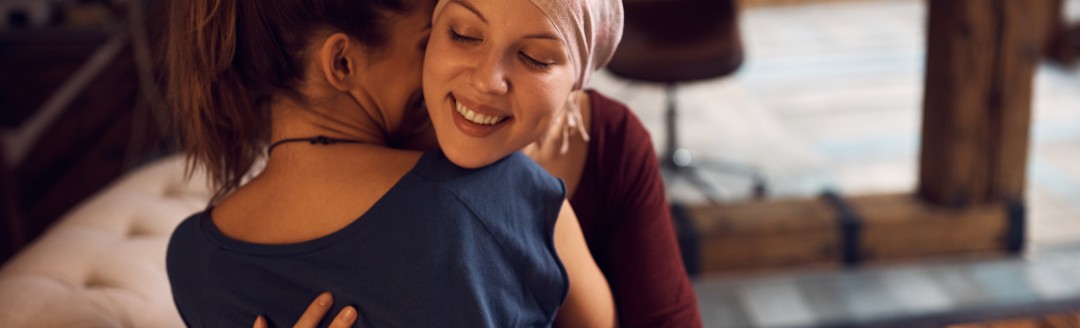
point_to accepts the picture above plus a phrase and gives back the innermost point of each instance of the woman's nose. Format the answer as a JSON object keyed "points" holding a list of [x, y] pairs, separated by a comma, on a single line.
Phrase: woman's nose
{"points": [[489, 76]]}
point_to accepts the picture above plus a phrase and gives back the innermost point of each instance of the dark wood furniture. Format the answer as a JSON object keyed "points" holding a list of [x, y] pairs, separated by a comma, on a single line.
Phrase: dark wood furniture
{"points": [[11, 226]]}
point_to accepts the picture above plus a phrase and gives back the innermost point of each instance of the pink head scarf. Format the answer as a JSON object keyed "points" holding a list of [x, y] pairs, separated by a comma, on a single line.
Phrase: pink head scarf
{"points": [[591, 30]]}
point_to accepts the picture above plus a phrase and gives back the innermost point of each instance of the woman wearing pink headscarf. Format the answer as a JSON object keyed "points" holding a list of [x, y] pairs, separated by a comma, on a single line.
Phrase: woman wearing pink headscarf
{"points": [[481, 55], [491, 85]]}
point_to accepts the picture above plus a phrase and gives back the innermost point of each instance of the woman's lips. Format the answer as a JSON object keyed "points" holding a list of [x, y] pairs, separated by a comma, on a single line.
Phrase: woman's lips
{"points": [[473, 123]]}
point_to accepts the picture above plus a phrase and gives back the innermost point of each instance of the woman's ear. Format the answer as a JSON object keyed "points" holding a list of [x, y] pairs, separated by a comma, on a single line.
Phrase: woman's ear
{"points": [[335, 58]]}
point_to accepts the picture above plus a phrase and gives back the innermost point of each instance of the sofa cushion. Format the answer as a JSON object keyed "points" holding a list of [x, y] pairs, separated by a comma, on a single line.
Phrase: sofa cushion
{"points": [[103, 264]]}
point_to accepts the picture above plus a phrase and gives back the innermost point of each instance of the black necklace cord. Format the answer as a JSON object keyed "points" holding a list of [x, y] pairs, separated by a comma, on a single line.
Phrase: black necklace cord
{"points": [[316, 140]]}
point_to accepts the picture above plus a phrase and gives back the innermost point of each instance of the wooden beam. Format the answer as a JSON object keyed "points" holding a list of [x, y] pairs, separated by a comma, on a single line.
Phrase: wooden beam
{"points": [[959, 62], [981, 59], [1023, 39], [900, 226], [781, 234], [770, 234]]}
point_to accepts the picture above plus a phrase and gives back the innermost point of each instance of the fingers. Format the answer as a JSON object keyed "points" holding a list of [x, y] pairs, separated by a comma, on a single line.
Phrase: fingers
{"points": [[316, 311], [260, 322], [345, 318]]}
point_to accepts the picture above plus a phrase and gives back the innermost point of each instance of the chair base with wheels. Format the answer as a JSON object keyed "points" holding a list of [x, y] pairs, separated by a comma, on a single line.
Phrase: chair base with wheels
{"points": [[679, 41]]}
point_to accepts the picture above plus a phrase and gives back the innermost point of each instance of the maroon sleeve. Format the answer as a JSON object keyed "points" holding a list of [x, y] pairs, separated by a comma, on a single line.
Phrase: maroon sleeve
{"points": [[628, 223]]}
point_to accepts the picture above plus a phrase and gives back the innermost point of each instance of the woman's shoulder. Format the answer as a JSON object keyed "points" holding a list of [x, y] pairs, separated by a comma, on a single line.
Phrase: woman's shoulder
{"points": [[621, 161], [188, 233], [613, 120], [616, 134], [188, 250]]}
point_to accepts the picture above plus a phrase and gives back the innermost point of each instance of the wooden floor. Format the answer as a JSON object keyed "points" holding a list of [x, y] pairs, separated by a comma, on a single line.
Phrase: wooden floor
{"points": [[929, 294]]}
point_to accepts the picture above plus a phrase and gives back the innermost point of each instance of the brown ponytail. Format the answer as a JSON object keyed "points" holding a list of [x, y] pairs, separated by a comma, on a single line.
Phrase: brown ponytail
{"points": [[226, 58]]}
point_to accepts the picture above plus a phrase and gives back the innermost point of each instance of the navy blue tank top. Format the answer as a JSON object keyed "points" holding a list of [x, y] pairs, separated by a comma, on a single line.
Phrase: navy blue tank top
{"points": [[444, 247]]}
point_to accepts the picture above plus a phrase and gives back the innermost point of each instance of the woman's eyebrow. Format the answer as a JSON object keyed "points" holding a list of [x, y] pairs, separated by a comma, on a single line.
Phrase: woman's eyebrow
{"points": [[544, 35], [471, 8]]}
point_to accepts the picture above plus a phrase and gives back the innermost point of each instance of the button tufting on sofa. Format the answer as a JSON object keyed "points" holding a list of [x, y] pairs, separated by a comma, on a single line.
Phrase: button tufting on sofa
{"points": [[103, 263]]}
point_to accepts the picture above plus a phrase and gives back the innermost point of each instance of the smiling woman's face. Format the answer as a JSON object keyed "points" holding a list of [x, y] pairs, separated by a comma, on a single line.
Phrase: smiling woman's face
{"points": [[496, 75]]}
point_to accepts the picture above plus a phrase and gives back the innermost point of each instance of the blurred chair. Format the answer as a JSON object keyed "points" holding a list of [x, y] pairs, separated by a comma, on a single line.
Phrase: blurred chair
{"points": [[672, 41]]}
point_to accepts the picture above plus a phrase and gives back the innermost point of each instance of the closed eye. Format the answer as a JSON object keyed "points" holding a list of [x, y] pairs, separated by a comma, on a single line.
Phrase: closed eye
{"points": [[458, 37], [533, 62]]}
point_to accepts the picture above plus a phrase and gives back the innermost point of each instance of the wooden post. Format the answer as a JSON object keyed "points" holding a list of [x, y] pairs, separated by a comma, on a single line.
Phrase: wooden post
{"points": [[981, 59]]}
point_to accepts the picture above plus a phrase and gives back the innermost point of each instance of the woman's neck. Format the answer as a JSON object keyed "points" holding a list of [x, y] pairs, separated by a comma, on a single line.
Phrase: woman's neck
{"points": [[333, 119]]}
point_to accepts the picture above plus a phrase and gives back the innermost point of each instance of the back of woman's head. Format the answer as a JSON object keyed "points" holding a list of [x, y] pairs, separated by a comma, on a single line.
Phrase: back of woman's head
{"points": [[226, 59]]}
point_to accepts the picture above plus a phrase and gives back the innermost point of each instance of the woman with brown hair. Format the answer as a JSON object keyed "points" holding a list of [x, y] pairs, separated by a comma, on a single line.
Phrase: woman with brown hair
{"points": [[322, 86]]}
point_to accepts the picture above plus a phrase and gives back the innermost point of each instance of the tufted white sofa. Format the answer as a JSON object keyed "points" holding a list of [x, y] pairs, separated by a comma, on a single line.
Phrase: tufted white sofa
{"points": [[103, 264]]}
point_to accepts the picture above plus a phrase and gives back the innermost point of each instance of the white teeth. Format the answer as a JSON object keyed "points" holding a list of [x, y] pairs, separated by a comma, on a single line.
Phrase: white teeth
{"points": [[476, 117]]}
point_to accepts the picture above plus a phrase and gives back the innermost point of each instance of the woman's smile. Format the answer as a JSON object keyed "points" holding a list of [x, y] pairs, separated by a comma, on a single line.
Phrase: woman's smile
{"points": [[477, 120]]}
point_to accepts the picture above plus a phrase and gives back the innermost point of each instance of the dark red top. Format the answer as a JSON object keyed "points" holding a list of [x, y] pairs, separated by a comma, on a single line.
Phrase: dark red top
{"points": [[623, 212]]}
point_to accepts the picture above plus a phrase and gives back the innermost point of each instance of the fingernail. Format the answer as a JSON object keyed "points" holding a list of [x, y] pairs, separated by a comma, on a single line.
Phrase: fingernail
{"points": [[325, 299], [349, 314]]}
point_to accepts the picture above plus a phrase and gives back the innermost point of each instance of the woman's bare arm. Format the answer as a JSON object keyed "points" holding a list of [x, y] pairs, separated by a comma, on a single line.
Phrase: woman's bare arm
{"points": [[589, 302]]}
